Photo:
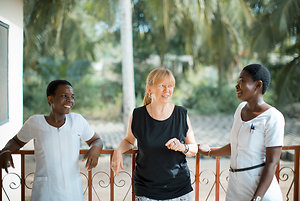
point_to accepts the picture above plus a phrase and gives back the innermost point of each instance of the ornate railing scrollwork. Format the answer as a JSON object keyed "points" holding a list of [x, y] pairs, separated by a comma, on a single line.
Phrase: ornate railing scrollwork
{"points": [[100, 181], [12, 184], [226, 179], [285, 177], [206, 180], [193, 176], [122, 182], [84, 177], [30, 185]]}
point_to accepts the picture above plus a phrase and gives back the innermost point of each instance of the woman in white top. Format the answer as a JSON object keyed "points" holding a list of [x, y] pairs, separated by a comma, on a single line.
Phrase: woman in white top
{"points": [[256, 141], [56, 147]]}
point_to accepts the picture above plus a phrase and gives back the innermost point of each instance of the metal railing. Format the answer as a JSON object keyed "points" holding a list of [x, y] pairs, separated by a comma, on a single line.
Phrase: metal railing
{"points": [[217, 186]]}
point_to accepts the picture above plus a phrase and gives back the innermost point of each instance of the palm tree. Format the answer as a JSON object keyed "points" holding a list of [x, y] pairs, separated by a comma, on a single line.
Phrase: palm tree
{"points": [[277, 31], [47, 28], [220, 27], [159, 16]]}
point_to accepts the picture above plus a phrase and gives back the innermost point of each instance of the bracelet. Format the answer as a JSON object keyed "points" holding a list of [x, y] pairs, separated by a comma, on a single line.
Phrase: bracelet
{"points": [[187, 148], [5, 151], [17, 142], [209, 153], [258, 198]]}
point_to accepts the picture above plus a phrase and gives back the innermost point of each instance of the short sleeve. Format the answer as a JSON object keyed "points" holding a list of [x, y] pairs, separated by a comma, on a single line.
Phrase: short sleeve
{"points": [[86, 131], [26, 134], [274, 132]]}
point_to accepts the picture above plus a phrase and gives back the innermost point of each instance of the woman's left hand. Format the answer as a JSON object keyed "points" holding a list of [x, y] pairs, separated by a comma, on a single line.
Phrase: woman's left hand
{"points": [[175, 144]]}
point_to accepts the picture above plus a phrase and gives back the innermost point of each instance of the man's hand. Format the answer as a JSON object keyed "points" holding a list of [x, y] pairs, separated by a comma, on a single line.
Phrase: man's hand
{"points": [[92, 155], [91, 158], [6, 160], [204, 149]]}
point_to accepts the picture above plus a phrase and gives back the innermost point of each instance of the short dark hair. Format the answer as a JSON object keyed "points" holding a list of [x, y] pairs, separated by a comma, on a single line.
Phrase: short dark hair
{"points": [[259, 72], [53, 85]]}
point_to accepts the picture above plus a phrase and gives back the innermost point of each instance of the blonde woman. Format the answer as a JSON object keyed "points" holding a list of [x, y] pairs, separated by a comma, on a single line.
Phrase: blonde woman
{"points": [[164, 138]]}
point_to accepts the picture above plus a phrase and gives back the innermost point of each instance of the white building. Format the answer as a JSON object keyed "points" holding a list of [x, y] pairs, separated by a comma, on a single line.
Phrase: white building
{"points": [[11, 74]]}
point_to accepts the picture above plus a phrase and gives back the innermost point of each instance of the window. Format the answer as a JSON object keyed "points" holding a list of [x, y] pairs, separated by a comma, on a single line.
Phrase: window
{"points": [[3, 73]]}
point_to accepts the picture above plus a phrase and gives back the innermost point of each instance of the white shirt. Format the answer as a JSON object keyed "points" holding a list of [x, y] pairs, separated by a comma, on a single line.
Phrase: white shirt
{"points": [[248, 141], [248, 145], [57, 175]]}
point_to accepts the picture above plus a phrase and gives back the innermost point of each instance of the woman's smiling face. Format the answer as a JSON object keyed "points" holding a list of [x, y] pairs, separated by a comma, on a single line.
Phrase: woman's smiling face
{"points": [[63, 100], [162, 90]]}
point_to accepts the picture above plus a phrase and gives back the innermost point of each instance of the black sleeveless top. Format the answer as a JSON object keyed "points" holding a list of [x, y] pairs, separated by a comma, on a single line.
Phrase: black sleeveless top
{"points": [[160, 173]]}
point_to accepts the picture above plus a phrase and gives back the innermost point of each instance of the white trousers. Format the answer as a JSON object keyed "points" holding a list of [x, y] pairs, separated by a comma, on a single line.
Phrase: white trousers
{"points": [[242, 186]]}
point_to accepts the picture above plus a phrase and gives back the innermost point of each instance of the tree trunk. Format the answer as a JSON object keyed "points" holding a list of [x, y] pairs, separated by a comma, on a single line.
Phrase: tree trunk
{"points": [[220, 75], [127, 61]]}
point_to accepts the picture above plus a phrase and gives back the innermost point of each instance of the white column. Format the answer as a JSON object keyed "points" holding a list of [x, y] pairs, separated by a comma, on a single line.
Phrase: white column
{"points": [[11, 13], [127, 60]]}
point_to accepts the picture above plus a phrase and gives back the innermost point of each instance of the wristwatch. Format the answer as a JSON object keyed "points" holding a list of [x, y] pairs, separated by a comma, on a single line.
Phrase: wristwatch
{"points": [[258, 198]]}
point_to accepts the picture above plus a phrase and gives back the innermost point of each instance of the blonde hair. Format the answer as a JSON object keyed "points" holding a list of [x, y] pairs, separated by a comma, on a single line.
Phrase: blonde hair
{"points": [[156, 76]]}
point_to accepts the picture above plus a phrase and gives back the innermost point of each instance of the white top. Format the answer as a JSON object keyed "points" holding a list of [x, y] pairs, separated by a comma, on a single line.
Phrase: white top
{"points": [[249, 139], [57, 175]]}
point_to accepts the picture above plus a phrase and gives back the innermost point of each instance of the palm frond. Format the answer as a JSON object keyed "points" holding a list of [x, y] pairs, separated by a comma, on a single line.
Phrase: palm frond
{"points": [[287, 83]]}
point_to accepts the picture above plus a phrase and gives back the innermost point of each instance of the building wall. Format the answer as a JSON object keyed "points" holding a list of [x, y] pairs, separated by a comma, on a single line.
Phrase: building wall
{"points": [[11, 13]]}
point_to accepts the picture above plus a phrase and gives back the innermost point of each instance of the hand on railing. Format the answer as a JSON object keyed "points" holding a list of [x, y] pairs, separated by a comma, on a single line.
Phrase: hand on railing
{"points": [[91, 158], [117, 162], [6, 160], [204, 149]]}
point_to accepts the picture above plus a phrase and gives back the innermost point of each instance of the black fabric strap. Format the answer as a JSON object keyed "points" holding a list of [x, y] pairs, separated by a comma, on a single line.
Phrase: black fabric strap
{"points": [[248, 168]]}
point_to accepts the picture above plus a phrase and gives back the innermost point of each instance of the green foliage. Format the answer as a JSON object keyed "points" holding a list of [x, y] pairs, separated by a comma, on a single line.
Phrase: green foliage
{"points": [[276, 31], [48, 69], [286, 91], [207, 100], [99, 98], [34, 94], [201, 95], [63, 38], [140, 76]]}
